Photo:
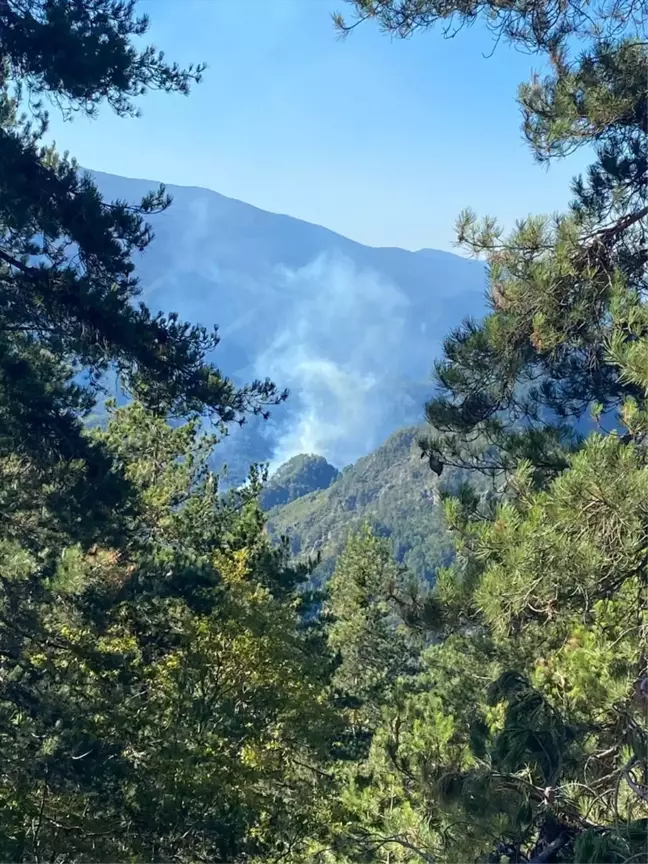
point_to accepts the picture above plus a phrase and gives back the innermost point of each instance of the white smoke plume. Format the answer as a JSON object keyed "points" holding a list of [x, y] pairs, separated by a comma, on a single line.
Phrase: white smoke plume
{"points": [[336, 351]]}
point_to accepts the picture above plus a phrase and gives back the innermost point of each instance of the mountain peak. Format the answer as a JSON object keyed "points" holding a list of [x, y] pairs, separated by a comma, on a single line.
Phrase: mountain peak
{"points": [[299, 476]]}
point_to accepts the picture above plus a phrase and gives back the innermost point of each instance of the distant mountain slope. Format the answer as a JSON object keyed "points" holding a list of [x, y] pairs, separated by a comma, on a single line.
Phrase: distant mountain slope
{"points": [[393, 490], [352, 330], [299, 476]]}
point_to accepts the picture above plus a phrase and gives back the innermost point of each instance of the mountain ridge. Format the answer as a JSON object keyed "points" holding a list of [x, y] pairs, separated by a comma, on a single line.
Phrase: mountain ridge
{"points": [[351, 330], [425, 250], [392, 490]]}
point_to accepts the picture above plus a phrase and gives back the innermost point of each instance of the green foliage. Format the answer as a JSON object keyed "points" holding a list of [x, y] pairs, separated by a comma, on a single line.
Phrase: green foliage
{"points": [[82, 53], [364, 591], [169, 688], [523, 737], [512, 386], [161, 698], [163, 676], [534, 25], [67, 284]]}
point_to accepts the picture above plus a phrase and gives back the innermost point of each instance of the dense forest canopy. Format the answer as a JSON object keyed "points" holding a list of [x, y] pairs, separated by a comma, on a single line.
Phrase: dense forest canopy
{"points": [[537, 750], [104, 591], [171, 687]]}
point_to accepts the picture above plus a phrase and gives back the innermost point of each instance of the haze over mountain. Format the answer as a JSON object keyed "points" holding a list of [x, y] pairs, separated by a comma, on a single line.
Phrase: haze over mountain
{"points": [[350, 329]]}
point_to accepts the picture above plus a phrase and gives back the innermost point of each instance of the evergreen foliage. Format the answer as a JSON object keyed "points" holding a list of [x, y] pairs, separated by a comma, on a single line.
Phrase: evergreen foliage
{"points": [[366, 633], [524, 736], [161, 699], [159, 684], [169, 687], [67, 281]]}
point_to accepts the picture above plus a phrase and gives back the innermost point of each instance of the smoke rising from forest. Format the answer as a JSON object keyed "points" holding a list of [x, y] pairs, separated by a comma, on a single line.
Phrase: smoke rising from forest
{"points": [[335, 352]]}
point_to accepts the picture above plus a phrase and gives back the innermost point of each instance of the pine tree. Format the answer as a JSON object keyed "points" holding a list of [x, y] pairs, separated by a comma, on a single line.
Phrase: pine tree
{"points": [[366, 631], [162, 699], [162, 677], [515, 385], [67, 282], [534, 25], [525, 737]]}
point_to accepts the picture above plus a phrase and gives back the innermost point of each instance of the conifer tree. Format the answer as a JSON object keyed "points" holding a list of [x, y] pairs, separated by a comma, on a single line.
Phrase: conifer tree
{"points": [[67, 284], [514, 386], [161, 699], [525, 737], [160, 694], [366, 631]]}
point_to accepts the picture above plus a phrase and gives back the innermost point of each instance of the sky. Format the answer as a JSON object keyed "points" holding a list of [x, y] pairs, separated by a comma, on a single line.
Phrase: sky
{"points": [[382, 140]]}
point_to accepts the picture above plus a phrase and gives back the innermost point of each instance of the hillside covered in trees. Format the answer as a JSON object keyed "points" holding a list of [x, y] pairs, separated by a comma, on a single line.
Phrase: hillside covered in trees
{"points": [[392, 490], [173, 686]]}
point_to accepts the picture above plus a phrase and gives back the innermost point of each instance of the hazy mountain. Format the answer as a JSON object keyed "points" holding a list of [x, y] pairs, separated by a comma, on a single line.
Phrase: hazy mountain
{"points": [[351, 330]]}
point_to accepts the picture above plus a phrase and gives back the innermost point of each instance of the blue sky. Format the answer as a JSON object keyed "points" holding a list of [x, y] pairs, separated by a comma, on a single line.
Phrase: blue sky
{"points": [[382, 140]]}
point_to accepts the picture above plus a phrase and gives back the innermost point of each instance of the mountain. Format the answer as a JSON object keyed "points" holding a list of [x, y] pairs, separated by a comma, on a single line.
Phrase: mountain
{"points": [[393, 490], [350, 329], [299, 476]]}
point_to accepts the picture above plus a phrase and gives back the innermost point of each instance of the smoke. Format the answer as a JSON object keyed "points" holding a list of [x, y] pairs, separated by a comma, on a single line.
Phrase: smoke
{"points": [[337, 349]]}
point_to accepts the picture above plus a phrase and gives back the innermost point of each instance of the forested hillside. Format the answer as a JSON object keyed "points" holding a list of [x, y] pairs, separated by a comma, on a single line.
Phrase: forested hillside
{"points": [[392, 490], [297, 477], [470, 684]]}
